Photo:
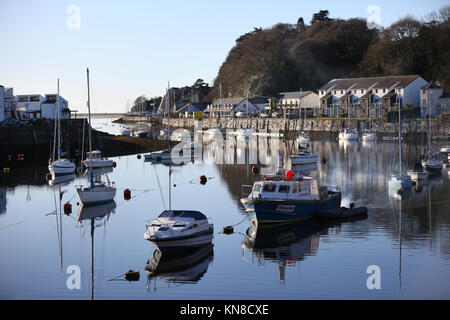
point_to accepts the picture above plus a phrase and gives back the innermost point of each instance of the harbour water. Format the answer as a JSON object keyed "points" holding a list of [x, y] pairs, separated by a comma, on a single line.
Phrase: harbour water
{"points": [[311, 260]]}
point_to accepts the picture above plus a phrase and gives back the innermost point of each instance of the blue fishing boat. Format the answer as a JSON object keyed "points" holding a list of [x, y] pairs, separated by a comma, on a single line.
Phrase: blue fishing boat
{"points": [[282, 198]]}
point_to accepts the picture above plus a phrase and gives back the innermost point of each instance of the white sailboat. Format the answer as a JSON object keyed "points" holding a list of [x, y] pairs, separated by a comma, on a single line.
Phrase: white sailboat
{"points": [[432, 165], [98, 192], [346, 134], [400, 180], [302, 137], [61, 165]]}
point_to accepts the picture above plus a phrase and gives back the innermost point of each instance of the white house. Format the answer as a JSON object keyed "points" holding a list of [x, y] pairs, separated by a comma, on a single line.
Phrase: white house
{"points": [[28, 106], [373, 96], [2, 103], [222, 107], [306, 100], [432, 95], [251, 105], [49, 110]]}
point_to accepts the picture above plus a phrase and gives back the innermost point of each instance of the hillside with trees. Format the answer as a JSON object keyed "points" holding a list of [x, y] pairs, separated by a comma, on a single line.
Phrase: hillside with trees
{"points": [[288, 57]]}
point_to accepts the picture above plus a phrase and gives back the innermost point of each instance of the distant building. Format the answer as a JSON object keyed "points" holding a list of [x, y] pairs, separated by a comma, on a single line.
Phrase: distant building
{"points": [[222, 107], [10, 102], [2, 103], [432, 95], [306, 100], [369, 97], [188, 109], [28, 106], [251, 105], [49, 110]]}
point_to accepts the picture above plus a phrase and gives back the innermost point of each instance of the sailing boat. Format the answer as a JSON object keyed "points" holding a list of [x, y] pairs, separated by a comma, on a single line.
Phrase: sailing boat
{"points": [[433, 166], [400, 180], [60, 166], [97, 192], [368, 135], [302, 137]]}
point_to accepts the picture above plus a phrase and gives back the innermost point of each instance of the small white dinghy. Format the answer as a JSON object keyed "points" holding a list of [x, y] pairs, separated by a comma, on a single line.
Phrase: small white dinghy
{"points": [[174, 229]]}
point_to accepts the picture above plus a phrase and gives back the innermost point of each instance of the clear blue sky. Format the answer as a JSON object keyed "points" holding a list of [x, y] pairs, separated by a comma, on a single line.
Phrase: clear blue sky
{"points": [[136, 47]]}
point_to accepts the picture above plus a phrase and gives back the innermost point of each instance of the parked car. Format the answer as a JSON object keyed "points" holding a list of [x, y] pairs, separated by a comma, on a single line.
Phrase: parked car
{"points": [[276, 115], [11, 123]]}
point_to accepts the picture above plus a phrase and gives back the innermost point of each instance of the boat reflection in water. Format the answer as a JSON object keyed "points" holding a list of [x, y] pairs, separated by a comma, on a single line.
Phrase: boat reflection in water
{"points": [[179, 267], [289, 242], [96, 216], [61, 180]]}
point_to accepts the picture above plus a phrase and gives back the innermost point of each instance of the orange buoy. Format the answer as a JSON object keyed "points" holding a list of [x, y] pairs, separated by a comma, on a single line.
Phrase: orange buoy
{"points": [[127, 194], [114, 164], [289, 174], [227, 175], [67, 208], [203, 180], [255, 170], [324, 160]]}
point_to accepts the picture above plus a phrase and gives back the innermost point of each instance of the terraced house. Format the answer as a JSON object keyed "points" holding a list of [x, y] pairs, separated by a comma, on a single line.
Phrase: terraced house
{"points": [[369, 97]]}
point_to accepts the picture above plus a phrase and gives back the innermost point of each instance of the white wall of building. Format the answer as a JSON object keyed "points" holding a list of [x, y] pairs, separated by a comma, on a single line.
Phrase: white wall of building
{"points": [[49, 111], [2, 103], [411, 93]]}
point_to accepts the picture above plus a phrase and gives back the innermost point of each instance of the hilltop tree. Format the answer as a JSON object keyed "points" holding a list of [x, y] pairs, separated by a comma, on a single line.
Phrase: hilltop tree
{"points": [[301, 25], [322, 15]]}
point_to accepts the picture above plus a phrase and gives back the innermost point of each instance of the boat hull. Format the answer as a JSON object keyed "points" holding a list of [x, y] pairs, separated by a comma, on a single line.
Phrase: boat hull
{"points": [[296, 160], [98, 163], [284, 211], [183, 243], [61, 167], [348, 136], [96, 196], [418, 175]]}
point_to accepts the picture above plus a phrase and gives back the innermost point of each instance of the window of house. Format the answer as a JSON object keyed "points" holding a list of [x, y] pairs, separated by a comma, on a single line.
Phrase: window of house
{"points": [[334, 91], [269, 188], [283, 189]]}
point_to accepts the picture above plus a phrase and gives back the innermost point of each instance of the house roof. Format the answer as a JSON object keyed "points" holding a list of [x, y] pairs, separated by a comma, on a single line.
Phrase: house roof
{"points": [[389, 94], [431, 85], [367, 95], [224, 101], [362, 83], [328, 96], [294, 94], [193, 107]]}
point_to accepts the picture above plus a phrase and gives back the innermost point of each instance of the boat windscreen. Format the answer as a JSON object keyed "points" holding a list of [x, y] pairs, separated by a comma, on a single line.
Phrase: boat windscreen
{"points": [[196, 215]]}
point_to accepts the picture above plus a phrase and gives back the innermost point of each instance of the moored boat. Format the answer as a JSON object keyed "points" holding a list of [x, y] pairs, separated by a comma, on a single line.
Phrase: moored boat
{"points": [[281, 199], [346, 134], [94, 159]]}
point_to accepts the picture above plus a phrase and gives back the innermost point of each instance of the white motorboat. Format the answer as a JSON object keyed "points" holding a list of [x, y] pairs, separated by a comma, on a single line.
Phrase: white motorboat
{"points": [[60, 165], [94, 159], [346, 134], [369, 136], [303, 156], [179, 228], [445, 150], [98, 192], [303, 138]]}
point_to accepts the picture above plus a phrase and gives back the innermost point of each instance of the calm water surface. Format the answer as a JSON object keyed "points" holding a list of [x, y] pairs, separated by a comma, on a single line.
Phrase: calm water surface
{"points": [[311, 260]]}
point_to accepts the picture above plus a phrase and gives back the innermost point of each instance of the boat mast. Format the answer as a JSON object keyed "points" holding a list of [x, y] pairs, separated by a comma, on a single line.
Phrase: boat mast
{"points": [[54, 133], [90, 139], [399, 134], [168, 132], [59, 124], [429, 126]]}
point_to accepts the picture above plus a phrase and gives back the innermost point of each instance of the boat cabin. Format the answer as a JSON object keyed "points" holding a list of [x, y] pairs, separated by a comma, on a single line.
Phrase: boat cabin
{"points": [[96, 154], [305, 188]]}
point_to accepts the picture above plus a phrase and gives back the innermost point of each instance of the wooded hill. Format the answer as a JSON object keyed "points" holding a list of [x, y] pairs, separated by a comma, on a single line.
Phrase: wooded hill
{"points": [[288, 57]]}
